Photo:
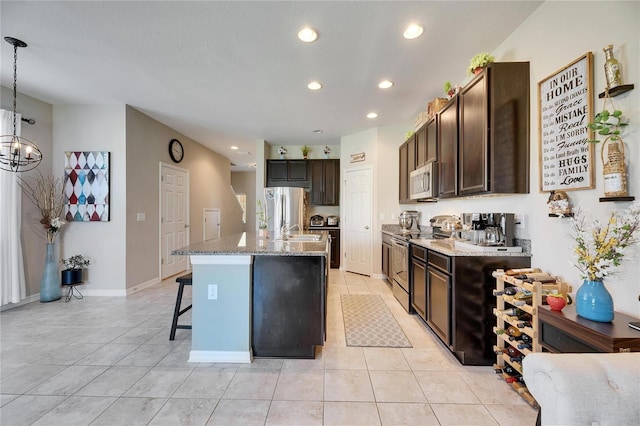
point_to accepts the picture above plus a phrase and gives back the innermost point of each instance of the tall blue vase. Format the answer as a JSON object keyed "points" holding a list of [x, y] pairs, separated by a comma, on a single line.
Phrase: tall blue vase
{"points": [[50, 281], [594, 302]]}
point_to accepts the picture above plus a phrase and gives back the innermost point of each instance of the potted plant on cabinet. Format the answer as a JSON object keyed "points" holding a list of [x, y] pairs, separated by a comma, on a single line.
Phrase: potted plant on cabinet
{"points": [[305, 151], [478, 62], [74, 269]]}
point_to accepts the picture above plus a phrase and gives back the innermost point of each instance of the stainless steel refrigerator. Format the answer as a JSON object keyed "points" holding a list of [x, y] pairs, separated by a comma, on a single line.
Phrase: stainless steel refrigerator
{"points": [[285, 207]]}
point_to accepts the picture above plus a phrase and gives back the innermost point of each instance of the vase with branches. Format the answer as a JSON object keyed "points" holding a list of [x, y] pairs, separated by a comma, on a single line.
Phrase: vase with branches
{"points": [[46, 192]]}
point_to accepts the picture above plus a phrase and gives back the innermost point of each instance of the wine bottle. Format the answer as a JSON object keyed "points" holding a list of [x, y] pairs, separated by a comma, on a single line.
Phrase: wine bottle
{"points": [[611, 68], [512, 379], [523, 324], [516, 358], [525, 346], [526, 338], [513, 331], [513, 352], [511, 312], [512, 272]]}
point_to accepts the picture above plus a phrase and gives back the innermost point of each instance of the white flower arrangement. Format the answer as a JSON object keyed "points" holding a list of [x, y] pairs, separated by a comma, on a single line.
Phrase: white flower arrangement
{"points": [[599, 249], [282, 150], [327, 150]]}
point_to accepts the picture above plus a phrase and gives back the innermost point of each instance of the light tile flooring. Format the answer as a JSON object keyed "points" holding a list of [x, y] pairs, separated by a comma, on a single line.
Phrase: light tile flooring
{"points": [[108, 361]]}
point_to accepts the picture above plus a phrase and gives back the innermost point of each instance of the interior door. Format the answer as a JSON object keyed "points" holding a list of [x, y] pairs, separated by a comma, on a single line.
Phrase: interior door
{"points": [[174, 218], [211, 224], [357, 221]]}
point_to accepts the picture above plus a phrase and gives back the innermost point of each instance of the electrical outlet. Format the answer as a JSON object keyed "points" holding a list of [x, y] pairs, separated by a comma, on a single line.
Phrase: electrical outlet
{"points": [[213, 292], [383, 216], [393, 216], [520, 221]]}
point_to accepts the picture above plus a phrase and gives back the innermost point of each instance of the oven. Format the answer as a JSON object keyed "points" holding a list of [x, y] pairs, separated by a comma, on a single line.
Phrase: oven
{"points": [[400, 270]]}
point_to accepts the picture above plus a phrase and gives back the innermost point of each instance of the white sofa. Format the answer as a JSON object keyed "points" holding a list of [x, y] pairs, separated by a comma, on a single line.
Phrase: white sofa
{"points": [[585, 388]]}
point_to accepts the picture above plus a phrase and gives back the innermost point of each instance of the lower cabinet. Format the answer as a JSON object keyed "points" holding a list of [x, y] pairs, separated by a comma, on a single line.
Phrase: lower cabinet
{"points": [[439, 296], [335, 248], [418, 281], [386, 256]]}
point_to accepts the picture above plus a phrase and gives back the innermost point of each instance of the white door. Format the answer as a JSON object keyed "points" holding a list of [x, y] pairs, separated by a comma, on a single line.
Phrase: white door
{"points": [[357, 220], [211, 224], [174, 218]]}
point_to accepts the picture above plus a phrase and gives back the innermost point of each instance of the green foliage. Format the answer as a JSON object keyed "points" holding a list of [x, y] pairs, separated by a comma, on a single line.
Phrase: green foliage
{"points": [[481, 60], [305, 150], [262, 215], [447, 87], [607, 124]]}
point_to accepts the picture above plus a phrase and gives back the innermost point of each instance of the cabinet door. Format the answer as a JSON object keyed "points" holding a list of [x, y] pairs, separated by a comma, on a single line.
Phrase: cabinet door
{"points": [[277, 170], [335, 248], [411, 154], [448, 150], [419, 288], [331, 183], [421, 146], [439, 304], [432, 140], [403, 191], [316, 170], [297, 170], [386, 251], [473, 137]]}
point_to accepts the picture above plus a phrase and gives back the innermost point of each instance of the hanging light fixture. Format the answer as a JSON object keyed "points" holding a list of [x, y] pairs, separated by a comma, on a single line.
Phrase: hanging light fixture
{"points": [[17, 154]]}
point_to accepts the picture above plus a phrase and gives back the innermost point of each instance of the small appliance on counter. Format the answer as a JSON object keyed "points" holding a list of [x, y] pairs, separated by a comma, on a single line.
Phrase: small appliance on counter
{"points": [[408, 221], [489, 231], [316, 220], [443, 225], [333, 220]]}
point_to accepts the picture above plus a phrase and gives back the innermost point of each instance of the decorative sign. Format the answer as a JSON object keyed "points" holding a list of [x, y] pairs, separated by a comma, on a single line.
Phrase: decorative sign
{"points": [[86, 186], [356, 158], [564, 110]]}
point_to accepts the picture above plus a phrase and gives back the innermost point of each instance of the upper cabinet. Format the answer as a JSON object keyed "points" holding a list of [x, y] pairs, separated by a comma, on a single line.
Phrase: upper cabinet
{"points": [[493, 126], [287, 173], [447, 142], [403, 167], [426, 143], [325, 182]]}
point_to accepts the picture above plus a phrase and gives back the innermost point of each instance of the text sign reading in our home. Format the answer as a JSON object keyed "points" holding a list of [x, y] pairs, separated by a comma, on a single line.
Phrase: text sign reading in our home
{"points": [[564, 99]]}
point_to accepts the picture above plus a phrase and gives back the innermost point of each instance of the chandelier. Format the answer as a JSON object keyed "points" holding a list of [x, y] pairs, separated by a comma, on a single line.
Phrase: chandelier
{"points": [[17, 154]]}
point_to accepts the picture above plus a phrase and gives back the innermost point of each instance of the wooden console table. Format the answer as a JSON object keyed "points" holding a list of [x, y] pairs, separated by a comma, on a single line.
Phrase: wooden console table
{"points": [[565, 331]]}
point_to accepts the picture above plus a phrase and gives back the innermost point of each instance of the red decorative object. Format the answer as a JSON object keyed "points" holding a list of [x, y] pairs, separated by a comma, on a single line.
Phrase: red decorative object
{"points": [[556, 303], [477, 71]]}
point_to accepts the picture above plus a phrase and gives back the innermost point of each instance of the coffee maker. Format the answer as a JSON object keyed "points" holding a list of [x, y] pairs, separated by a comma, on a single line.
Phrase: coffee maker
{"points": [[490, 229]]}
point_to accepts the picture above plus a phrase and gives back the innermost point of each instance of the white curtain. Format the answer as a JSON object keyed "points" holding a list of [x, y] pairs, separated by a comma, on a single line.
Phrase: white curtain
{"points": [[12, 282]]}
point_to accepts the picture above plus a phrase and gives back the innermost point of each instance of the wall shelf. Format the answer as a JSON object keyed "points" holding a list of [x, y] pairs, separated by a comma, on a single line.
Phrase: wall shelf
{"points": [[606, 199], [618, 90]]}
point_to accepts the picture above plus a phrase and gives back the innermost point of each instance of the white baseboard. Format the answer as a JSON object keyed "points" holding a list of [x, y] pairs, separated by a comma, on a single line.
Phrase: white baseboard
{"points": [[379, 276], [136, 288], [28, 299], [240, 357]]}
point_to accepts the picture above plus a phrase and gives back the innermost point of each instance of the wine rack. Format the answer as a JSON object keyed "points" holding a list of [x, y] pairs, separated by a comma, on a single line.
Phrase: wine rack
{"points": [[523, 334]]}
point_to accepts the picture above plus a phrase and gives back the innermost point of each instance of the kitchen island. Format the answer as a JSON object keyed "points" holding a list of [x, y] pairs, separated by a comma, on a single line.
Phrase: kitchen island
{"points": [[255, 296]]}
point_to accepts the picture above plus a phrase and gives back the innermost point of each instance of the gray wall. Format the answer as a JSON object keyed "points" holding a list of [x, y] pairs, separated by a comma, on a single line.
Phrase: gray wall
{"points": [[245, 183]]}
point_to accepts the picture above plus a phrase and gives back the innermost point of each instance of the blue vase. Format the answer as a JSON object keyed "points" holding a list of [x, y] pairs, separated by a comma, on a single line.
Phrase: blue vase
{"points": [[594, 302], [50, 281]]}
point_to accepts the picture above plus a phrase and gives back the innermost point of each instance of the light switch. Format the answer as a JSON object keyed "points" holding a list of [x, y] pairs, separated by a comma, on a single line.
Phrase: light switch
{"points": [[213, 292], [141, 217], [383, 216]]}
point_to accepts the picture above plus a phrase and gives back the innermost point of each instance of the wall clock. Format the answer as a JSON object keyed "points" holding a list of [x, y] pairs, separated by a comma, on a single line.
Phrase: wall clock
{"points": [[176, 150]]}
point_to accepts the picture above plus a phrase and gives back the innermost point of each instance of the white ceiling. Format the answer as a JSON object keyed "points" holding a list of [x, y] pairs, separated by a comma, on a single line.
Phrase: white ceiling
{"points": [[229, 73]]}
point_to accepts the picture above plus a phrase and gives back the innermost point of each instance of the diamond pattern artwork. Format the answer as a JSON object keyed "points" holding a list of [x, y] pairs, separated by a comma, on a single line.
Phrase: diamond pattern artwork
{"points": [[368, 322], [86, 186]]}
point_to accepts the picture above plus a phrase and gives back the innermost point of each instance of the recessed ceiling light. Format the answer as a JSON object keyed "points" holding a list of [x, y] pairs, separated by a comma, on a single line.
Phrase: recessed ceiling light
{"points": [[413, 31], [307, 35], [234, 147], [385, 84], [314, 85], [317, 131], [372, 115]]}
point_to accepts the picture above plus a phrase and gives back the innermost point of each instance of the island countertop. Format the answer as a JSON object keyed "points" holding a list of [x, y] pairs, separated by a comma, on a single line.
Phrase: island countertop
{"points": [[250, 244]]}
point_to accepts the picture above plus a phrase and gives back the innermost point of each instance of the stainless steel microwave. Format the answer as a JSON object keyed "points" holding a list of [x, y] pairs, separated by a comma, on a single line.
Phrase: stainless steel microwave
{"points": [[423, 183]]}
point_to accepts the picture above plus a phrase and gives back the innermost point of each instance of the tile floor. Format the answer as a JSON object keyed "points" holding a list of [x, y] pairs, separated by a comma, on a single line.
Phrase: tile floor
{"points": [[108, 361]]}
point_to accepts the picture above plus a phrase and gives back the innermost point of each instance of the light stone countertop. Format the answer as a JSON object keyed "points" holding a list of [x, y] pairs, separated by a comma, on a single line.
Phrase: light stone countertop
{"points": [[249, 244], [445, 247]]}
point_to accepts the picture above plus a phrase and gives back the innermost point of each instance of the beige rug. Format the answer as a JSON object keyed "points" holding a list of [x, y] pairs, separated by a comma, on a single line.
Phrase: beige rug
{"points": [[368, 322]]}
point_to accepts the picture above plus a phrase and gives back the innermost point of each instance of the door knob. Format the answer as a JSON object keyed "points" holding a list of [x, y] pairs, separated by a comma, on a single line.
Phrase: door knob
{"points": [[366, 227]]}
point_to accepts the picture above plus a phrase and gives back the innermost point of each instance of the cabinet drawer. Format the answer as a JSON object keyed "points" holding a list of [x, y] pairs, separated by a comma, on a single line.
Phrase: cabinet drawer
{"points": [[440, 261], [419, 252], [555, 340]]}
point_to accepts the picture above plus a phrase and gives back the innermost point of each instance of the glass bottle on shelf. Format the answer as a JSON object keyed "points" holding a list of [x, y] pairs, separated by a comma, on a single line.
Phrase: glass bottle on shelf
{"points": [[611, 68]]}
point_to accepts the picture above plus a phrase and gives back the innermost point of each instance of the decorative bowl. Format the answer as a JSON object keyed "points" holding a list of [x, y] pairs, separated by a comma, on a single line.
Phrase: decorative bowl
{"points": [[556, 302]]}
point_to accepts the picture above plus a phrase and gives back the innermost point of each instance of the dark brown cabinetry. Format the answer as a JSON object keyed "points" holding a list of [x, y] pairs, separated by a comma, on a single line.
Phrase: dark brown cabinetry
{"points": [[564, 331], [287, 173], [325, 182], [447, 146], [418, 277], [386, 256], [439, 295], [335, 248], [494, 131], [403, 190]]}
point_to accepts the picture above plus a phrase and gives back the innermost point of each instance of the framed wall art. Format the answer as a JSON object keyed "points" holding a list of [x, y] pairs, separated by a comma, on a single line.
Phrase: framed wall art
{"points": [[86, 186], [565, 107]]}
